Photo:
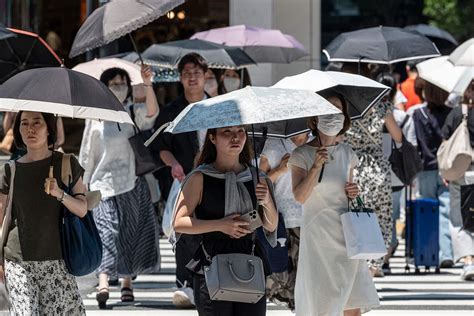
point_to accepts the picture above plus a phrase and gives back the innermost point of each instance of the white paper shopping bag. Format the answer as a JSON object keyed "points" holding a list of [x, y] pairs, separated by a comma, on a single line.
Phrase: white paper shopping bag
{"points": [[363, 235]]}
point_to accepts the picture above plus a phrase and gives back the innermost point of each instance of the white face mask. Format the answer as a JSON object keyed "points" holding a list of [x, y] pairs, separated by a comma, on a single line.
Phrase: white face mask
{"points": [[231, 84], [210, 86], [120, 92], [331, 124]]}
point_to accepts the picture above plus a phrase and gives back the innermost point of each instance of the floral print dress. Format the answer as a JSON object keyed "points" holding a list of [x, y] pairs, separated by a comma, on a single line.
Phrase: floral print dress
{"points": [[372, 175]]}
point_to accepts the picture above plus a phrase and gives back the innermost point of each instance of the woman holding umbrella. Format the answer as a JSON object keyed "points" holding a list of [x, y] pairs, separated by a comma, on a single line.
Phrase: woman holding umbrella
{"points": [[327, 282], [125, 218], [34, 270], [203, 208]]}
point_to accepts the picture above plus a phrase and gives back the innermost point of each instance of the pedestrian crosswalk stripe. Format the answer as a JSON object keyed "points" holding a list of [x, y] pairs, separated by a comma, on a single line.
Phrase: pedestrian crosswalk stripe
{"points": [[398, 291]]}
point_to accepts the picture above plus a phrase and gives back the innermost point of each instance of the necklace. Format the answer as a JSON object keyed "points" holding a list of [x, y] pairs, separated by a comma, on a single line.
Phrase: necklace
{"points": [[331, 156]]}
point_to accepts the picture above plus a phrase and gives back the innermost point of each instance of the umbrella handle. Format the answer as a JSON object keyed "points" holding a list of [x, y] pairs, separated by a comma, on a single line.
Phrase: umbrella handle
{"points": [[156, 133], [136, 48], [321, 174], [50, 175]]}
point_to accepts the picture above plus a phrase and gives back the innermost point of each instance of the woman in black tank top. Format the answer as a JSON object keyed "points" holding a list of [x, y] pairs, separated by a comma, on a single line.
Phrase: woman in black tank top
{"points": [[201, 209]]}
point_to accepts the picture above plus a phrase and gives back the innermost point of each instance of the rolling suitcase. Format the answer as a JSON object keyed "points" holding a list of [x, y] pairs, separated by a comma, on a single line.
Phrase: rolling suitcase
{"points": [[422, 234]]}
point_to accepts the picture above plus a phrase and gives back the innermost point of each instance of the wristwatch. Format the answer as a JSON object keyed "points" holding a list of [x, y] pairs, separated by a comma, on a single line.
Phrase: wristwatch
{"points": [[62, 197]]}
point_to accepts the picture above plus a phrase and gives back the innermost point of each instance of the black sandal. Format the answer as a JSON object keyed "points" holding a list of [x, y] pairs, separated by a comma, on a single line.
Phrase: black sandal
{"points": [[127, 294], [102, 296]]}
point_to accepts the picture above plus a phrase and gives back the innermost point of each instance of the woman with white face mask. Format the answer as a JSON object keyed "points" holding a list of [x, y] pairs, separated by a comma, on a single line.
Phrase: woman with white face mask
{"points": [[327, 281], [233, 80], [125, 217]]}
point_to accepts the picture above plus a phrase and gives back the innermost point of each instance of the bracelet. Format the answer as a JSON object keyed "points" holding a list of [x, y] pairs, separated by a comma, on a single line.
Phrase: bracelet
{"points": [[148, 85], [62, 197]]}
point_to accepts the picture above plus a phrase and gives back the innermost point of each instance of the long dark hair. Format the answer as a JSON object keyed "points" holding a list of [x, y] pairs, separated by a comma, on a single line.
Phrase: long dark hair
{"points": [[209, 151], [50, 121]]}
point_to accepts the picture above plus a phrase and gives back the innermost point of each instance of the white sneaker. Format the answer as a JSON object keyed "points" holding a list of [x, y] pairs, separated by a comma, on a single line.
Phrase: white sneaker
{"points": [[183, 297], [468, 273]]}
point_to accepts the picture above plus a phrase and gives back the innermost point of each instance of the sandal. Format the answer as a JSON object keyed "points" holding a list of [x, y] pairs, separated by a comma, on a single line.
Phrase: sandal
{"points": [[127, 294], [102, 296]]}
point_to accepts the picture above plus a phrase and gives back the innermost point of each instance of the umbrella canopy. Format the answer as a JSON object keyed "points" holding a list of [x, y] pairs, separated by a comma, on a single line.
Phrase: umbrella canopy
{"points": [[442, 73], [24, 51], [250, 105], [116, 19], [5, 32], [65, 92], [161, 74], [361, 93], [216, 55], [464, 54], [433, 33], [282, 129], [96, 67], [380, 45], [262, 45]]}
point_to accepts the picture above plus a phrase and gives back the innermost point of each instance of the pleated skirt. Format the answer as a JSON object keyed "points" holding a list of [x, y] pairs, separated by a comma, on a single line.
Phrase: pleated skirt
{"points": [[128, 226]]}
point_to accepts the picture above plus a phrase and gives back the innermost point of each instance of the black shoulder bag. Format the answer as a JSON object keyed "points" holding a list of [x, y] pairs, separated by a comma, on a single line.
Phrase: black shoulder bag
{"points": [[145, 161], [406, 161]]}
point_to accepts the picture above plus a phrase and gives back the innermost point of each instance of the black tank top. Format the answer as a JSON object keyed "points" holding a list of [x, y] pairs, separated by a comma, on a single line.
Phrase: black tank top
{"points": [[212, 207]]}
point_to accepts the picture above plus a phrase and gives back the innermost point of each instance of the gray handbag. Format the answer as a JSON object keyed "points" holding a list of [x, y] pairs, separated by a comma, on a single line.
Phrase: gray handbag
{"points": [[235, 277]]}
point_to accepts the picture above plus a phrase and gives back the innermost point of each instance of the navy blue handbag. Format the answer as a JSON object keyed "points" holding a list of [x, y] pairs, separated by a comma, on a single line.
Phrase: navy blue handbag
{"points": [[278, 256], [80, 240]]}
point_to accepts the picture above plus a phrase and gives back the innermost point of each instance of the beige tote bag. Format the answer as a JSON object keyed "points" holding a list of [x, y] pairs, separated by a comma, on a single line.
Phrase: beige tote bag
{"points": [[456, 154]]}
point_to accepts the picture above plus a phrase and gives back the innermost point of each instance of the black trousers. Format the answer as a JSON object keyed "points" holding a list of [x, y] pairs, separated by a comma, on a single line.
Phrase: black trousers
{"points": [[206, 307], [184, 252]]}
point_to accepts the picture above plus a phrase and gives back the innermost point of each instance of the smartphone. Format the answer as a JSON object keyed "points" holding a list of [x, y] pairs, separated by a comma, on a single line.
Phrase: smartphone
{"points": [[253, 218]]}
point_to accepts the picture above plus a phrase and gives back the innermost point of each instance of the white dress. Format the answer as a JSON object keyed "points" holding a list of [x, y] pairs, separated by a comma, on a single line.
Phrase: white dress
{"points": [[290, 209], [328, 282]]}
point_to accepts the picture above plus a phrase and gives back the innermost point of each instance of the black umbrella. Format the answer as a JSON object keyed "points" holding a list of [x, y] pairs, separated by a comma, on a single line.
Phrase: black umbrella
{"points": [[380, 45], [63, 92], [216, 55], [24, 51], [116, 19], [5, 32]]}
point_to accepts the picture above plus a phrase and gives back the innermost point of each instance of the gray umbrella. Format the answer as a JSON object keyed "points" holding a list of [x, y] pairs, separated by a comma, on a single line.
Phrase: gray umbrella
{"points": [[116, 19], [216, 55], [432, 33]]}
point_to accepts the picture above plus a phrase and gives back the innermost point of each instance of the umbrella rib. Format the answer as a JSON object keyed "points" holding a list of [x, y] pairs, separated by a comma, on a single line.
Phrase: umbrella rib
{"points": [[30, 51], [8, 62], [14, 53]]}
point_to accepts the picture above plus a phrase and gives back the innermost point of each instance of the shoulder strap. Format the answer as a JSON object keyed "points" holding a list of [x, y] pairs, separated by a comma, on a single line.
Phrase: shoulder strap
{"points": [[132, 116], [132, 113], [405, 120], [66, 173]]}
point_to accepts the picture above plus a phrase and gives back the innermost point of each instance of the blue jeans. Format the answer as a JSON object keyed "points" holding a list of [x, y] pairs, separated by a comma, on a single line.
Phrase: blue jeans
{"points": [[396, 195], [432, 187]]}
